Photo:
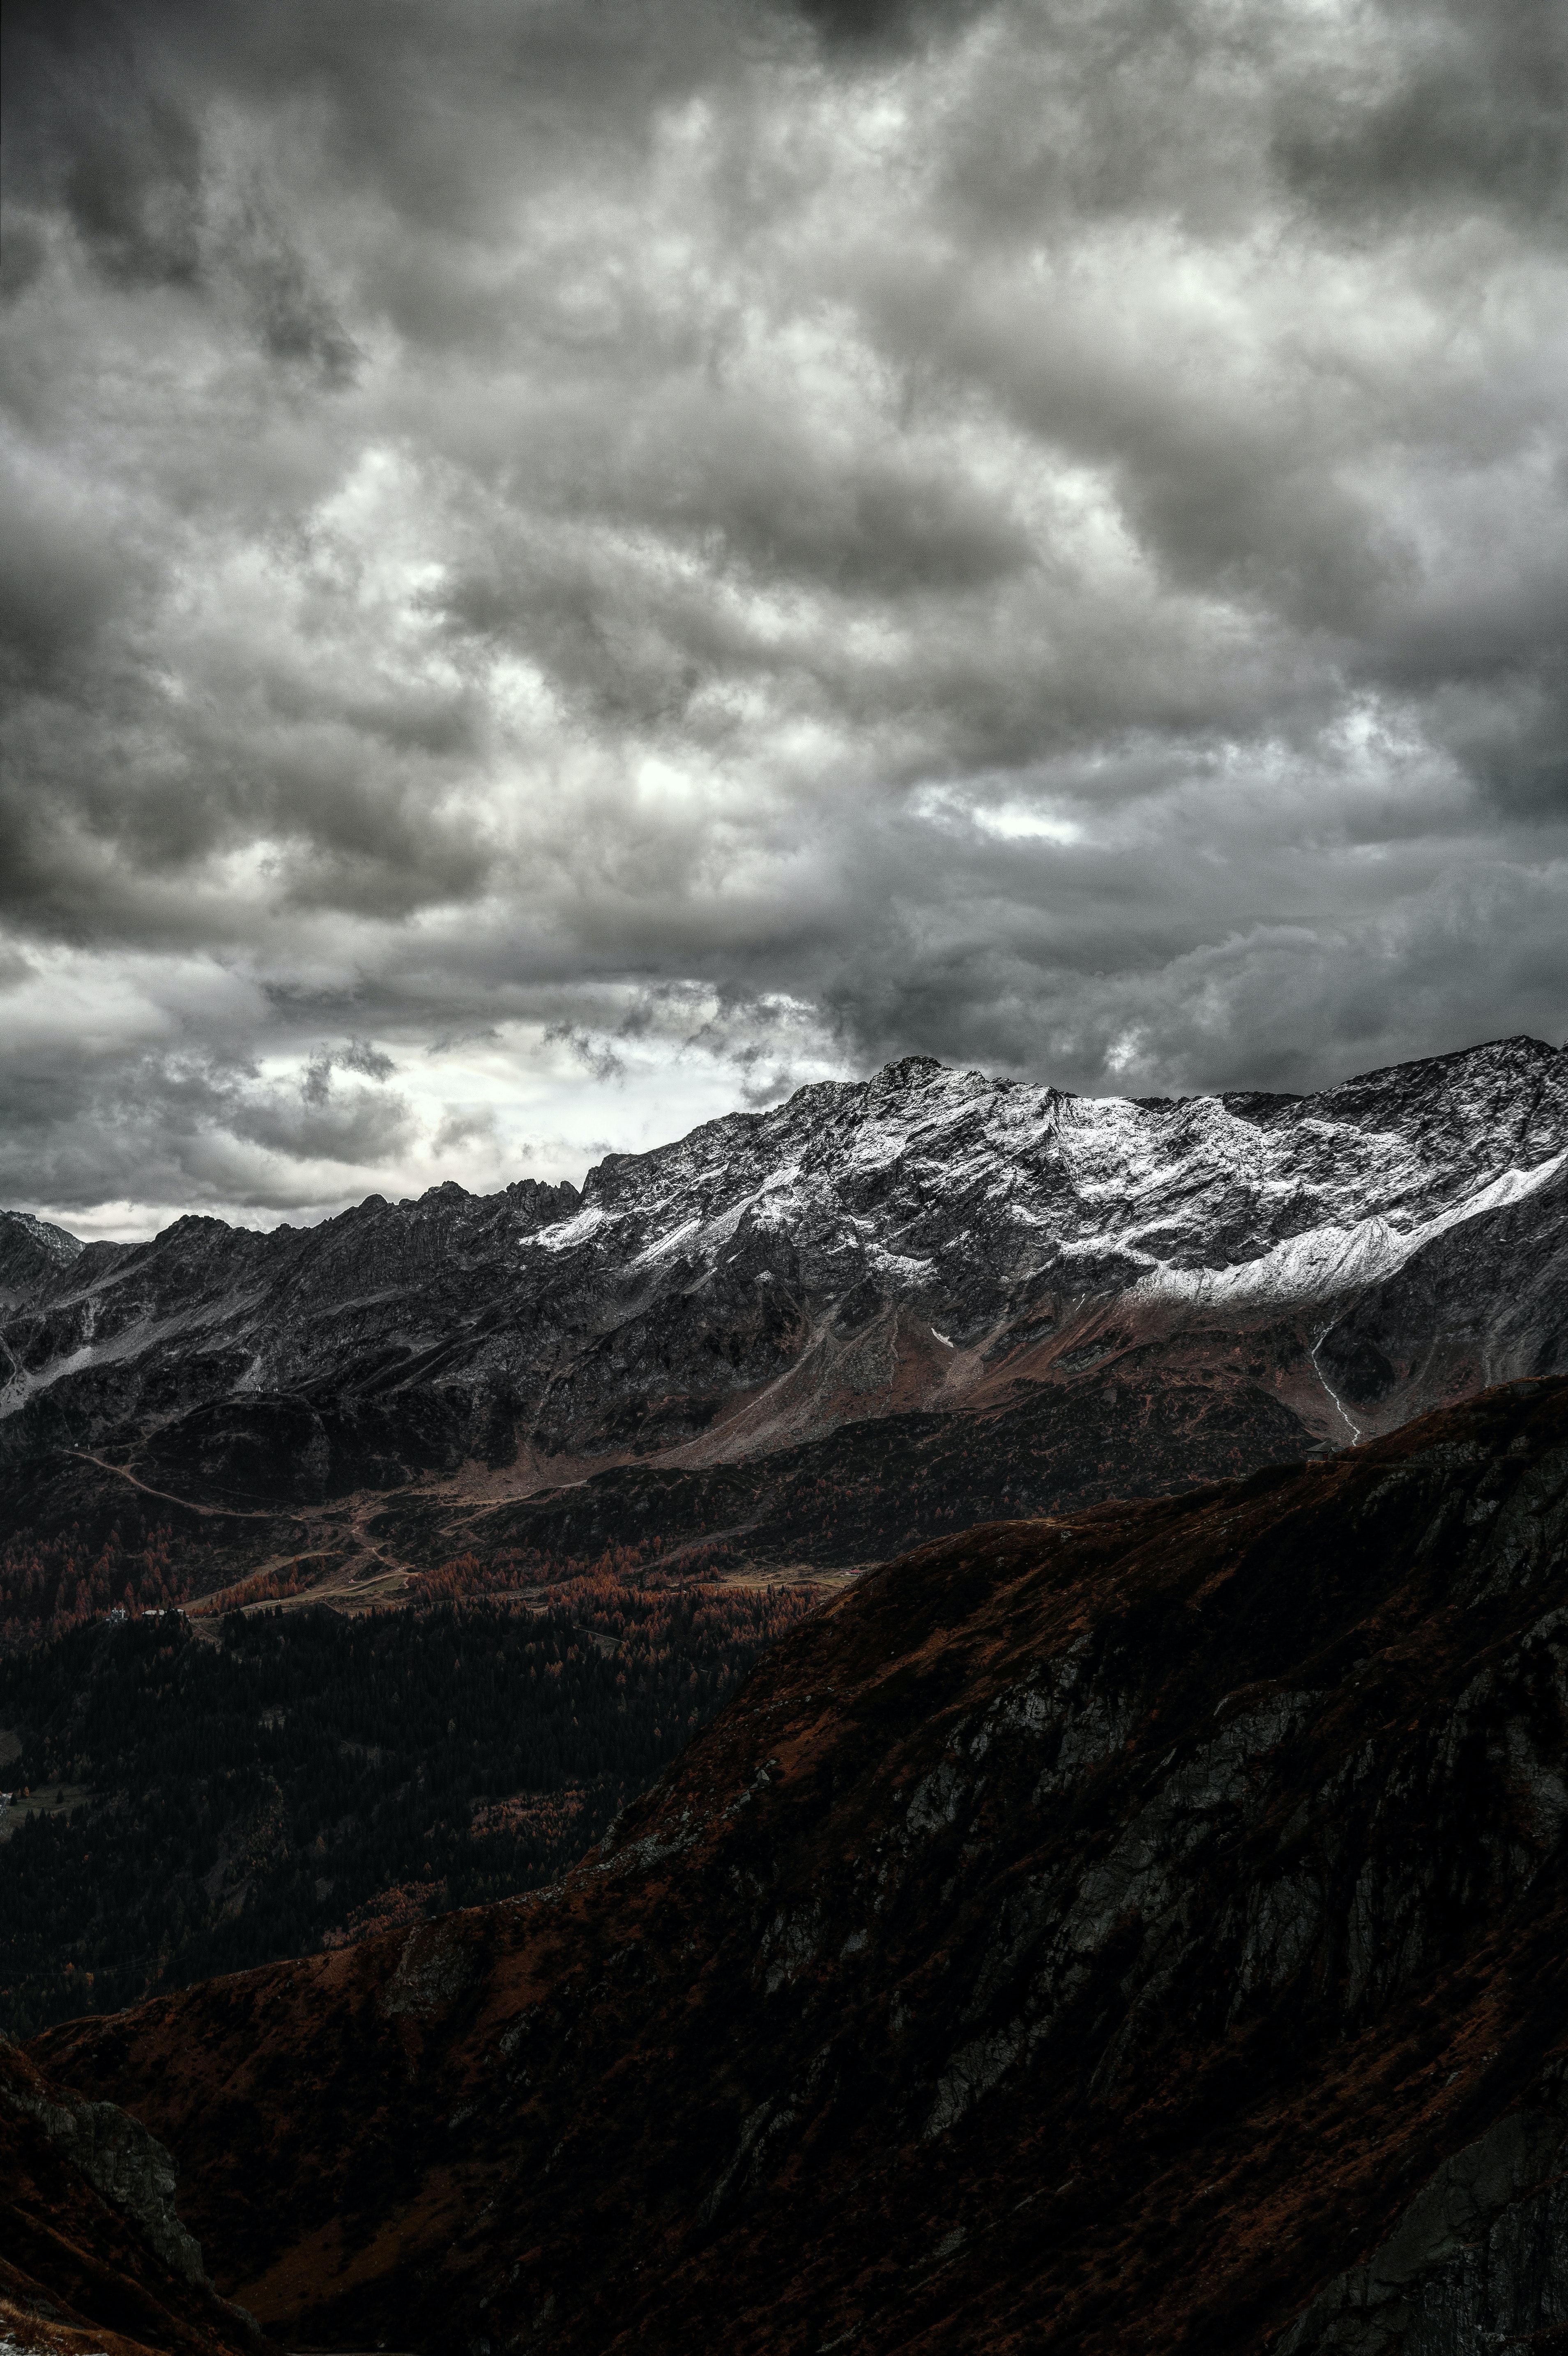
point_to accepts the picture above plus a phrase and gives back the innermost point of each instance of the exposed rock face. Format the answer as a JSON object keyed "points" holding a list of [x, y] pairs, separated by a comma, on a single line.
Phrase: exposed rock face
{"points": [[1146, 1928], [1479, 2258], [969, 1295], [89, 2238], [120, 2159]]}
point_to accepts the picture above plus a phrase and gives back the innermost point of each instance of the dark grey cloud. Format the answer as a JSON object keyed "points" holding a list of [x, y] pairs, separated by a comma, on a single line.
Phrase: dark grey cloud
{"points": [[1461, 107], [87, 132], [567, 565]]}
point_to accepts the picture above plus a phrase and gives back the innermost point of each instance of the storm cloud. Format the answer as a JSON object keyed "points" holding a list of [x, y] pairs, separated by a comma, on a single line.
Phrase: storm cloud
{"points": [[568, 566]]}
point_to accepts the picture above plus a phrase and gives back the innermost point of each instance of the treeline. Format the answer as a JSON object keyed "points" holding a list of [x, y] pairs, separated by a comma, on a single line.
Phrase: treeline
{"points": [[262, 1587], [311, 1775], [503, 1570], [50, 1586]]}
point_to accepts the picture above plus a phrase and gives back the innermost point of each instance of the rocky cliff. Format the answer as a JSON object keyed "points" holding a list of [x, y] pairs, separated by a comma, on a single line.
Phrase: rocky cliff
{"points": [[92, 2251], [879, 1312], [1144, 1928]]}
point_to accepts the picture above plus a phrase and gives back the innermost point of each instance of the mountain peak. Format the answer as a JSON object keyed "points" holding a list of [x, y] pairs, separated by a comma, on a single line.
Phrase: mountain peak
{"points": [[909, 1072], [58, 1242], [32, 1250]]}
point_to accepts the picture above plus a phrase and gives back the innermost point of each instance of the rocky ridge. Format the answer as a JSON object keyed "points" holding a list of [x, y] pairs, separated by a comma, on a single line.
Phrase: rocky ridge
{"points": [[972, 1294], [31, 1252], [1146, 1927]]}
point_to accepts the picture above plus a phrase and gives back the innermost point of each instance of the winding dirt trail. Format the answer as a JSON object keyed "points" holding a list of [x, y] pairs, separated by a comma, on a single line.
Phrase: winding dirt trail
{"points": [[166, 1496]]}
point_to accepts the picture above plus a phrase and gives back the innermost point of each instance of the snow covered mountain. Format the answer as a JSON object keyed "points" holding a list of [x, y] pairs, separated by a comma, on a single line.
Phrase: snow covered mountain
{"points": [[971, 1295]]}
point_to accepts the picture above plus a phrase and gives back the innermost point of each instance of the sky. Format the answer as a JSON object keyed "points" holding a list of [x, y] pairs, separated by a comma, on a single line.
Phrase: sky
{"points": [[570, 566]]}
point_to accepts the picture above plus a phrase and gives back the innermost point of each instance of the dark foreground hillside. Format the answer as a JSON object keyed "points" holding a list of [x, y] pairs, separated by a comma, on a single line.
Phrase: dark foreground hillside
{"points": [[1145, 1930]]}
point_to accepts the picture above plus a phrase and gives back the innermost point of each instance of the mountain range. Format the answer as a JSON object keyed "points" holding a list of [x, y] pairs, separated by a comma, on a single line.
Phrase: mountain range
{"points": [[881, 1312]]}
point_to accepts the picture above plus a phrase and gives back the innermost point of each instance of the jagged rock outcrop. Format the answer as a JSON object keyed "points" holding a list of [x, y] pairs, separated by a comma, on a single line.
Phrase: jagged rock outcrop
{"points": [[91, 2241], [968, 1294], [1478, 2259], [119, 2159], [1141, 1928]]}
